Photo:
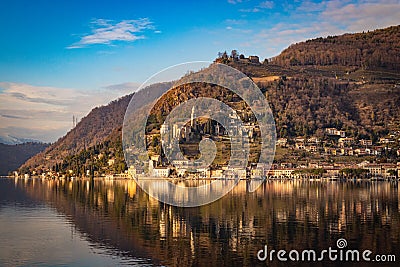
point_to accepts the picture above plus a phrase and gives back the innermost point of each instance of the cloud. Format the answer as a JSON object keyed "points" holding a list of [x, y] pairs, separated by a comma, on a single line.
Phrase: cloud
{"points": [[45, 113], [235, 21], [266, 4], [234, 2], [310, 20], [108, 32], [13, 135], [259, 8], [362, 16], [123, 87], [250, 10], [309, 6], [13, 116]]}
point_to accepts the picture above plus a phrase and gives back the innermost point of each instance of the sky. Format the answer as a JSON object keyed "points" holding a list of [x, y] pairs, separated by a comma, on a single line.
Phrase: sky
{"points": [[60, 59]]}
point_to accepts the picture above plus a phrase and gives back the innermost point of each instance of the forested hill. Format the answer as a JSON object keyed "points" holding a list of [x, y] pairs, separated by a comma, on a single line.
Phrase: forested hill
{"points": [[379, 49]]}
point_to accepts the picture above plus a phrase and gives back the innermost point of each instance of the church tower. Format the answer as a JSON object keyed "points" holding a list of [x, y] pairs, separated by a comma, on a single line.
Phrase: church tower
{"points": [[192, 117]]}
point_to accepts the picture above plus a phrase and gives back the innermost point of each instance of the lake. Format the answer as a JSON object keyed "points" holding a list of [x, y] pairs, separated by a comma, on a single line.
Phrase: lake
{"points": [[114, 223]]}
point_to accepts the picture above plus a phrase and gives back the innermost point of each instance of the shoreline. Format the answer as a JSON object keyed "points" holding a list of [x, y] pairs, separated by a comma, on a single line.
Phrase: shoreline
{"points": [[313, 179]]}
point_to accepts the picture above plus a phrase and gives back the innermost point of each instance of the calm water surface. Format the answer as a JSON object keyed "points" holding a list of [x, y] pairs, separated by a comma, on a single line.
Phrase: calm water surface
{"points": [[113, 223]]}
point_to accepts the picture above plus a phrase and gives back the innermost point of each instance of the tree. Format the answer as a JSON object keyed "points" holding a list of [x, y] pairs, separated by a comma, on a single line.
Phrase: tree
{"points": [[392, 173], [234, 54]]}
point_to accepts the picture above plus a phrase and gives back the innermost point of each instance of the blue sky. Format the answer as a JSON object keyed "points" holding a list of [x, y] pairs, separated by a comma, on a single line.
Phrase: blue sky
{"points": [[59, 58]]}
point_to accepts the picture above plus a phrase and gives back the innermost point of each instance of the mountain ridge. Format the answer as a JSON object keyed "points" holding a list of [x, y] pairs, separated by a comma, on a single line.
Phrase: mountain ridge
{"points": [[373, 49], [13, 140]]}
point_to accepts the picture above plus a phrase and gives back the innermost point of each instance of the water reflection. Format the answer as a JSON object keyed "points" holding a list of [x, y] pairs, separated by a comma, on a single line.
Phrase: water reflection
{"points": [[229, 232], [33, 233]]}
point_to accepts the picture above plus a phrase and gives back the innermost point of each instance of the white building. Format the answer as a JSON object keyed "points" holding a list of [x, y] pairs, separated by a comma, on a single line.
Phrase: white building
{"points": [[164, 128], [161, 171]]}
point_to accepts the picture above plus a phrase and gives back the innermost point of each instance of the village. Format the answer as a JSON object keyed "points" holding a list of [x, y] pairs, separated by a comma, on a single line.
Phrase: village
{"points": [[334, 156]]}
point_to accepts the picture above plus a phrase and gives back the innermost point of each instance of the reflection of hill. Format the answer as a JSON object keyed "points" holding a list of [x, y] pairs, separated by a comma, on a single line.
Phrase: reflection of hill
{"points": [[229, 232], [94, 223]]}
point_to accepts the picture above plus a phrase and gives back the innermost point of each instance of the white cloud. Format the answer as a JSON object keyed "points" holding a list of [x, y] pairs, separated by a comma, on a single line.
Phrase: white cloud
{"points": [[250, 10], [234, 2], [309, 6], [362, 16], [266, 4], [123, 87], [235, 21], [311, 20], [259, 7], [108, 32], [45, 113]]}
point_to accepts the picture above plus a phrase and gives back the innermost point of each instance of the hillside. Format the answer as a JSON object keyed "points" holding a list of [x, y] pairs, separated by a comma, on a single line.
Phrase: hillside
{"points": [[372, 55], [312, 85], [372, 49], [102, 124], [12, 156], [91, 130]]}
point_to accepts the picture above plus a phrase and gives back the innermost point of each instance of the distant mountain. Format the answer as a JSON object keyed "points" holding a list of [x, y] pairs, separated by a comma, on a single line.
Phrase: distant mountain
{"points": [[12, 156], [12, 140], [351, 82]]}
